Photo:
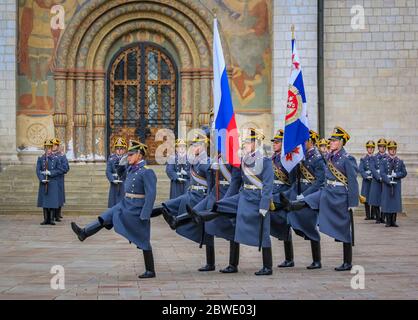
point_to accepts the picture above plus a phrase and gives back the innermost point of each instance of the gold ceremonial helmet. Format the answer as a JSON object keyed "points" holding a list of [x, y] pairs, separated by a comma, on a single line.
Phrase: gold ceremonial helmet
{"points": [[180, 142], [136, 146], [382, 142], [254, 134], [392, 144], [313, 136], [200, 137], [56, 141], [322, 142], [120, 142], [278, 137], [340, 134], [370, 144], [48, 143]]}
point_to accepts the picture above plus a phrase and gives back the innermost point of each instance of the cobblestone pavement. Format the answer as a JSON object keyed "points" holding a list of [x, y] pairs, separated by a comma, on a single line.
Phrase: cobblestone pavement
{"points": [[106, 266]]}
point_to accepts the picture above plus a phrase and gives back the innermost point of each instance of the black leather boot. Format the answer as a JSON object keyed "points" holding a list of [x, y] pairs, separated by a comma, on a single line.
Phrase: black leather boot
{"points": [[149, 265], [372, 213], [157, 211], [233, 258], [316, 255], [45, 212], [377, 214], [88, 230], [382, 216], [51, 217], [180, 220], [200, 217], [348, 256], [57, 214], [266, 270], [389, 218], [210, 259], [367, 209], [288, 254], [393, 221]]}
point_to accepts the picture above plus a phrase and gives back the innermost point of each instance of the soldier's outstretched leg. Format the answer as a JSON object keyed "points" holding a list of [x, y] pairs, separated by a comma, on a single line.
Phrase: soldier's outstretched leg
{"points": [[233, 258], [288, 255], [88, 230], [157, 211], [316, 255], [266, 270], [348, 256], [45, 212], [149, 265], [51, 216], [367, 209], [210, 259]]}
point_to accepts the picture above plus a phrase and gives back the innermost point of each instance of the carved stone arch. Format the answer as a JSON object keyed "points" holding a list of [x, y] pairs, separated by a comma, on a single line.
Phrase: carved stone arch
{"points": [[84, 45]]}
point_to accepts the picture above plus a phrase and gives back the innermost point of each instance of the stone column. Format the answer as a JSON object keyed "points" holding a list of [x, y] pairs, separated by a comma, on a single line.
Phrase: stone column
{"points": [[186, 115], [99, 118], [89, 114], [8, 153], [80, 119], [60, 114], [205, 96]]}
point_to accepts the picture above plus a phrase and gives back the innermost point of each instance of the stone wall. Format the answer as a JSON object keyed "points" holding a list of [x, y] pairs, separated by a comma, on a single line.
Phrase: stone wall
{"points": [[371, 76], [8, 81]]}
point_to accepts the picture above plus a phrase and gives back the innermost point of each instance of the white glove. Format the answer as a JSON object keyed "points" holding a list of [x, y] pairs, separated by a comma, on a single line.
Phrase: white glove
{"points": [[393, 182], [215, 166], [116, 181], [47, 172], [369, 178], [179, 173], [115, 175], [394, 175], [124, 160], [368, 172], [183, 172], [299, 197], [263, 212], [390, 176], [181, 179]]}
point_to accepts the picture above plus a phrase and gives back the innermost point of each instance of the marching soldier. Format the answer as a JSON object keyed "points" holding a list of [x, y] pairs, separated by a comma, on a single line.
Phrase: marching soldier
{"points": [[280, 228], [178, 169], [116, 174], [48, 170], [174, 211], [366, 174], [375, 193], [323, 146], [337, 199], [307, 178], [217, 212], [253, 217], [392, 170], [131, 216], [65, 168]]}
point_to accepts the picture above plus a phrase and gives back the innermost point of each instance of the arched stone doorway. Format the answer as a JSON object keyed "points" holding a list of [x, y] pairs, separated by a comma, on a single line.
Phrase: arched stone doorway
{"points": [[80, 74], [141, 94]]}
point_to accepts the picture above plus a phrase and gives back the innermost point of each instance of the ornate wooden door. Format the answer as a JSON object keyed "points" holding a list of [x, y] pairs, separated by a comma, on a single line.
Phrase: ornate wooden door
{"points": [[142, 95]]}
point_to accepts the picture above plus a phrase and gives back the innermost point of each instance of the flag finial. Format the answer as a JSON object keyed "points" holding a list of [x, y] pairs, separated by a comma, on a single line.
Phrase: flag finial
{"points": [[293, 31], [215, 11]]}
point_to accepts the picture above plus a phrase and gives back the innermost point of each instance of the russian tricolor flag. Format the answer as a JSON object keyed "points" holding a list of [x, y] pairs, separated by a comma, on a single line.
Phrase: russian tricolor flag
{"points": [[296, 129], [224, 125]]}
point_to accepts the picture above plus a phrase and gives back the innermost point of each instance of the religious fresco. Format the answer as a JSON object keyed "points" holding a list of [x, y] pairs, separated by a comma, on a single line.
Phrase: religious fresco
{"points": [[246, 25], [246, 34]]}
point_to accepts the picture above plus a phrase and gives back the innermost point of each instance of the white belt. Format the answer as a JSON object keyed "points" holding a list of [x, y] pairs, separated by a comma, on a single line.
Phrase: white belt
{"points": [[224, 183], [305, 181], [335, 183], [251, 187], [203, 188], [134, 196], [278, 182]]}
